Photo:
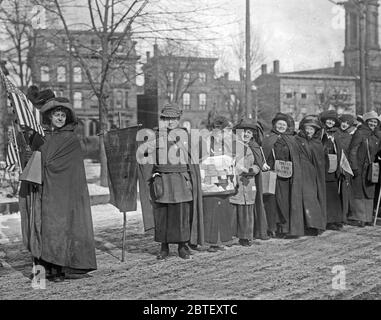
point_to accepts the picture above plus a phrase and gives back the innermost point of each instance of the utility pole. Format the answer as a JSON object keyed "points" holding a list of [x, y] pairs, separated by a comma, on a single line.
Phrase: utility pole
{"points": [[363, 59], [248, 60]]}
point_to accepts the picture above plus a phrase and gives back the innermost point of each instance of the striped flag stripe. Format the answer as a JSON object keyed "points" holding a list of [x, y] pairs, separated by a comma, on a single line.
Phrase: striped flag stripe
{"points": [[11, 158]]}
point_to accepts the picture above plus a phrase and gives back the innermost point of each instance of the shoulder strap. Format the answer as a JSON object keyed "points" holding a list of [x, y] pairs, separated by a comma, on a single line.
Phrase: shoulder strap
{"points": [[272, 150], [367, 149]]}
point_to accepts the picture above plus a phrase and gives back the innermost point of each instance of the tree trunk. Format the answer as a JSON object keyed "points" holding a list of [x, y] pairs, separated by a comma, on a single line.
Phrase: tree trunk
{"points": [[103, 161], [102, 151]]}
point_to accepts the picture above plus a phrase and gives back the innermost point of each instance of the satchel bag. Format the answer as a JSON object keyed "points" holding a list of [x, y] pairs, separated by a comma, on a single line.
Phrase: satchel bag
{"points": [[158, 186], [332, 158], [268, 179], [282, 168], [373, 172], [32, 171]]}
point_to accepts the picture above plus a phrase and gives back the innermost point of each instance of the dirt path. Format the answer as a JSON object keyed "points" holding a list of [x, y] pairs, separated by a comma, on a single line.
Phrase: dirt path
{"points": [[274, 269]]}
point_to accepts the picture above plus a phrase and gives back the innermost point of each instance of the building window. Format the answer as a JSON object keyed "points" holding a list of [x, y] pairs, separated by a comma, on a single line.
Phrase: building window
{"points": [[202, 77], [289, 94], [45, 73], [77, 100], [202, 101], [61, 74], [118, 99], [186, 78], [50, 45], [93, 127], [77, 74], [170, 96], [126, 100], [233, 100], [186, 101], [170, 77], [303, 94]]}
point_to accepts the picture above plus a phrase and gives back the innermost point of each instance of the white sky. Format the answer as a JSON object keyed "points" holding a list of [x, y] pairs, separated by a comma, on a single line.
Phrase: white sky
{"points": [[302, 34]]}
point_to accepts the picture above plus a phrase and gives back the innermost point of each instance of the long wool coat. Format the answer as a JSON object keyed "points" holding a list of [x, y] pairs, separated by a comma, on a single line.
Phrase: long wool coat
{"points": [[312, 161], [260, 220], [359, 160], [333, 180], [61, 229], [344, 138], [287, 202]]}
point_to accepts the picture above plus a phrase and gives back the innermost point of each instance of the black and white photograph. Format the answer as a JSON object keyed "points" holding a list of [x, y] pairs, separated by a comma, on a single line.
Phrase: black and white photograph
{"points": [[190, 155]]}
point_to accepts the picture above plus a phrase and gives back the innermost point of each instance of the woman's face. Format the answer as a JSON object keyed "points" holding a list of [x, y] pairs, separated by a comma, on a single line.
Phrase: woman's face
{"points": [[281, 126], [310, 131], [372, 124], [344, 125], [170, 123], [330, 123], [247, 135], [58, 118]]}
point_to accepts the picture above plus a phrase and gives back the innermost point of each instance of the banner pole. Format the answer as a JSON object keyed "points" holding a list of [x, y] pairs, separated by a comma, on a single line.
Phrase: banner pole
{"points": [[377, 208], [124, 235]]}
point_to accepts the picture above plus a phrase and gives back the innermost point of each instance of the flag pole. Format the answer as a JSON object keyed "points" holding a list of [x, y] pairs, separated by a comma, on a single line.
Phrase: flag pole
{"points": [[17, 147]]}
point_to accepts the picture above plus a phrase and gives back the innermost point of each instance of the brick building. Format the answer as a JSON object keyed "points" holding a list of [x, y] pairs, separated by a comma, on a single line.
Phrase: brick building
{"points": [[54, 67], [302, 93], [189, 82]]}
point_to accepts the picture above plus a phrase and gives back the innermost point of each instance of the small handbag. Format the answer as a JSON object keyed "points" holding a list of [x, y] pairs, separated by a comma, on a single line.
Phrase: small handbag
{"points": [[158, 187], [332, 158], [373, 173], [282, 168], [32, 171]]}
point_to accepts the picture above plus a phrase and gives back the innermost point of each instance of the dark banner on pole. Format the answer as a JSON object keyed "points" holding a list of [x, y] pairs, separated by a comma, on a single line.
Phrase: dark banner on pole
{"points": [[121, 145]]}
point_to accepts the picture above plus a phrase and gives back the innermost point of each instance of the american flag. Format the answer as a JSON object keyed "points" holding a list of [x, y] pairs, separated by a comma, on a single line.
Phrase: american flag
{"points": [[11, 159], [27, 114]]}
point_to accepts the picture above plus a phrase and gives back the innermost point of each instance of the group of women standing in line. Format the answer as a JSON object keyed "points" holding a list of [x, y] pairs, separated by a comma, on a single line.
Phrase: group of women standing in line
{"points": [[330, 180]]}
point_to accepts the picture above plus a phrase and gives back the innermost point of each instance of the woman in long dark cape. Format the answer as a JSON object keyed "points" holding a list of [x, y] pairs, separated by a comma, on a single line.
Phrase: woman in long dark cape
{"points": [[284, 210], [61, 228], [365, 146], [312, 161], [332, 148]]}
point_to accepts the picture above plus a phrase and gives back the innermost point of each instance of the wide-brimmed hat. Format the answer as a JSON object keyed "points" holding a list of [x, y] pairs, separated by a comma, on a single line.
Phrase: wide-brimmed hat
{"points": [[59, 102], [310, 120], [170, 111], [370, 115], [329, 114], [39, 98], [249, 124], [347, 118], [284, 117], [220, 122]]}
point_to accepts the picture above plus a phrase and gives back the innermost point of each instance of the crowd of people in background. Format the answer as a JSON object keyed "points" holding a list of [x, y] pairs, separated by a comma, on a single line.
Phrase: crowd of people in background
{"points": [[327, 175]]}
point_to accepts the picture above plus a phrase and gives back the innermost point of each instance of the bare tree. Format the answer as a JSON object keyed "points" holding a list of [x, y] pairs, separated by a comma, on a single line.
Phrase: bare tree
{"points": [[115, 22], [16, 29]]}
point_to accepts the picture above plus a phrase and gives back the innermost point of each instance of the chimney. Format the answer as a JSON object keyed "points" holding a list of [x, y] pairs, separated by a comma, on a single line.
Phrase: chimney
{"points": [[264, 68], [276, 66], [148, 54], [155, 50], [226, 75], [338, 68]]}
